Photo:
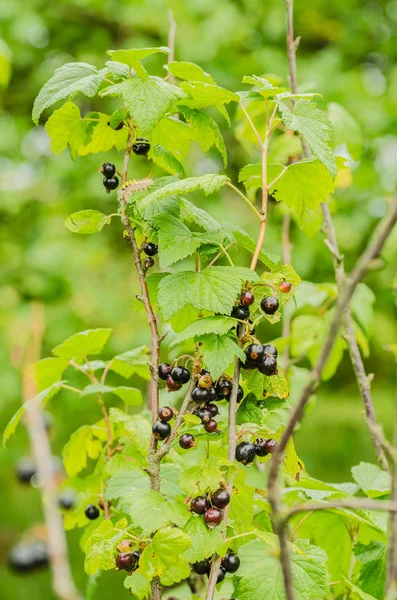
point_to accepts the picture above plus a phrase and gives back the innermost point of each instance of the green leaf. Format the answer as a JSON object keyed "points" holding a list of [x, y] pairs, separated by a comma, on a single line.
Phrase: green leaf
{"points": [[122, 483], [100, 546], [66, 127], [80, 345], [133, 361], [219, 352], [81, 445], [66, 82], [266, 89], [241, 512], [357, 592], [209, 183], [249, 411], [86, 221], [166, 160], [133, 57], [199, 479], [170, 541], [271, 261], [218, 325], [313, 124], [276, 385], [214, 289], [101, 137], [205, 542], [48, 371], [189, 71], [372, 479], [372, 576], [129, 395], [138, 584], [205, 130], [151, 511], [174, 135], [205, 94]]}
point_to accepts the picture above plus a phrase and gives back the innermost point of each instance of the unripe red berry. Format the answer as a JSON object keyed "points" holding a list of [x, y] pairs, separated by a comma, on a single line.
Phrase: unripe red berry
{"points": [[212, 517], [247, 298], [285, 287]]}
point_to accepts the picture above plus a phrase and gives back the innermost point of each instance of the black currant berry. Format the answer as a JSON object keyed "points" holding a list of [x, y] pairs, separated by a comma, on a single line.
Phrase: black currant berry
{"points": [[200, 395], [164, 371], [212, 517], [247, 298], [141, 146], [240, 394], [220, 498], [284, 287], [150, 249], [245, 453], [161, 430], [148, 262], [126, 561], [172, 386], [108, 169], [223, 388], [204, 414], [254, 353], [270, 445], [111, 183], [240, 312], [186, 441], [202, 567], [269, 305], [214, 410], [136, 555], [270, 349], [268, 365], [165, 413], [260, 447], [25, 470], [91, 512], [180, 374], [230, 562], [199, 505], [205, 381], [212, 394], [28, 556], [211, 426], [66, 499], [221, 575]]}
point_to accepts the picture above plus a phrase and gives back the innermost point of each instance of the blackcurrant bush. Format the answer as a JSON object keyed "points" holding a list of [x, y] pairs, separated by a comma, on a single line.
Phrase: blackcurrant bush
{"points": [[172, 385], [268, 365], [91, 512], [108, 169], [150, 249], [200, 395], [254, 352], [126, 561], [199, 505], [260, 447], [211, 426], [240, 312], [247, 298], [212, 517], [230, 562], [270, 349], [165, 413], [164, 370], [214, 410], [66, 499], [180, 374], [270, 445], [223, 388], [204, 414], [148, 262], [212, 394], [161, 430], [25, 470], [285, 287], [141, 146], [111, 183], [245, 453], [221, 575], [220, 498], [269, 305], [186, 441], [203, 567]]}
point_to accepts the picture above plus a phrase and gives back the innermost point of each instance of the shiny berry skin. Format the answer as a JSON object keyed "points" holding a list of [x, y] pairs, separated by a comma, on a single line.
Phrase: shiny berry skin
{"points": [[203, 567], [161, 430], [212, 394], [25, 470], [214, 410], [268, 365], [125, 560], [186, 441], [248, 364], [240, 394], [164, 371], [150, 249], [240, 312], [254, 353], [205, 381], [245, 453], [204, 372], [220, 498], [66, 500], [172, 386], [91, 512], [260, 447], [221, 575], [148, 262], [230, 562], [270, 445], [180, 374], [200, 395], [204, 414], [270, 349], [199, 505], [223, 388], [136, 555], [247, 298], [111, 183], [269, 305], [212, 517], [165, 413], [108, 169], [285, 287], [141, 146], [211, 426]]}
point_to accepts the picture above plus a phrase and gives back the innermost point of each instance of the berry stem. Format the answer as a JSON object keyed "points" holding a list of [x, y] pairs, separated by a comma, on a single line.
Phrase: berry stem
{"points": [[246, 200]]}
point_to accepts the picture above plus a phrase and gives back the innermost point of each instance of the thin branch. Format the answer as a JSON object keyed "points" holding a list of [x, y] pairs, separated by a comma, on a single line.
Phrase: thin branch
{"points": [[262, 230], [273, 183], [350, 503], [246, 200], [250, 121], [391, 585], [223, 251], [171, 36]]}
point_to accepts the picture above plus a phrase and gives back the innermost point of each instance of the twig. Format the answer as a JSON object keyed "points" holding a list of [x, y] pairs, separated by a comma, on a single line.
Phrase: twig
{"points": [[223, 251], [250, 121], [246, 200], [350, 503], [262, 230], [391, 584], [171, 36]]}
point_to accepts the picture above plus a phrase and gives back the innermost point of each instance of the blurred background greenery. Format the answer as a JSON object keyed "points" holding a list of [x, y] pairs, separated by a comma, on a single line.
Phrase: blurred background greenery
{"points": [[347, 53]]}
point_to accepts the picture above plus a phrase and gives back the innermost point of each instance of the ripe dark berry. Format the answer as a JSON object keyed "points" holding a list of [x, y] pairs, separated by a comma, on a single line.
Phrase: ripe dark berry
{"points": [[245, 453], [211, 426], [205, 381], [200, 395], [285, 287], [269, 305], [230, 562], [199, 505], [268, 365], [161, 430], [91, 512], [212, 517], [254, 353], [221, 575], [240, 312], [270, 445], [165, 413], [223, 388], [111, 183], [141, 146], [247, 298], [150, 249], [66, 499], [108, 169], [260, 447], [220, 498], [248, 364], [270, 349], [164, 370], [126, 561], [214, 410], [25, 470], [240, 394], [172, 386], [186, 441], [180, 374], [136, 555], [204, 414], [27, 556], [148, 262], [202, 567], [212, 394]]}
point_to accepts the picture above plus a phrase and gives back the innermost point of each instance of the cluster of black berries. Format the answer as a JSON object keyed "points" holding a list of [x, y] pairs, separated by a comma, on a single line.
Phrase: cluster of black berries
{"points": [[263, 358], [246, 452], [150, 249], [211, 506], [28, 556], [230, 564], [110, 181], [241, 311], [175, 377], [127, 559], [162, 428]]}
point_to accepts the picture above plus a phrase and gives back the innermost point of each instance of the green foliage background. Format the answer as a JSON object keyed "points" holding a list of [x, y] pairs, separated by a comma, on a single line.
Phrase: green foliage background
{"points": [[347, 52]]}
